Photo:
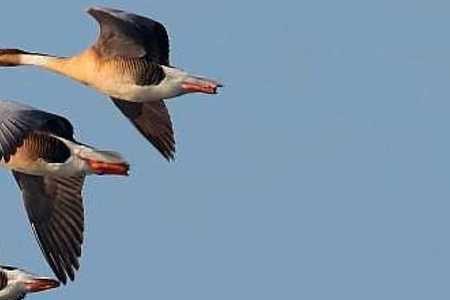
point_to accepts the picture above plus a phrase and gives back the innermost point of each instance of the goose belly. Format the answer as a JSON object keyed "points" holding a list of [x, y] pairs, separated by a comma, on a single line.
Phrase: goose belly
{"points": [[22, 162], [43, 168], [39, 167], [138, 93], [28, 167], [41, 154]]}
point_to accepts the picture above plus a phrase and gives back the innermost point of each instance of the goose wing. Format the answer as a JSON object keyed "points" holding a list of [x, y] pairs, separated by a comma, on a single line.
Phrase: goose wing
{"points": [[18, 120], [152, 119], [55, 209], [125, 34]]}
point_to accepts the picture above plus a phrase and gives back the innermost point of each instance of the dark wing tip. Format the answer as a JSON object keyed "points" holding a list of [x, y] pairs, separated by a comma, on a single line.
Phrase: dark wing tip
{"points": [[169, 155], [94, 9], [97, 11], [55, 209], [101, 9], [166, 148]]}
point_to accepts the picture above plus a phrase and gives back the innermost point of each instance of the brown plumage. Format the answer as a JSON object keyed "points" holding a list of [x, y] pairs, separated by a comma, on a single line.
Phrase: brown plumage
{"points": [[41, 145], [140, 71], [129, 62], [50, 167]]}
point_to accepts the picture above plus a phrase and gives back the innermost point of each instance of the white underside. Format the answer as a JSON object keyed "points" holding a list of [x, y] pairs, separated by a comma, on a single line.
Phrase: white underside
{"points": [[76, 164], [72, 167], [169, 87], [115, 86], [43, 168], [35, 60]]}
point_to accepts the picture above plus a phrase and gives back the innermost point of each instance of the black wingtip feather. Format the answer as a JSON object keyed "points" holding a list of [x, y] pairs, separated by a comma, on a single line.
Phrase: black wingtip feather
{"points": [[57, 221]]}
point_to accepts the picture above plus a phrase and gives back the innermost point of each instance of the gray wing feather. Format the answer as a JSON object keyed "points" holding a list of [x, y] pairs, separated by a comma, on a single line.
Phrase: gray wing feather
{"points": [[18, 120], [152, 119], [55, 209], [129, 35]]}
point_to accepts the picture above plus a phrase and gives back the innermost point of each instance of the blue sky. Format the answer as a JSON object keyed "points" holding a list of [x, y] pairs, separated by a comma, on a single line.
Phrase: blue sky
{"points": [[321, 171]]}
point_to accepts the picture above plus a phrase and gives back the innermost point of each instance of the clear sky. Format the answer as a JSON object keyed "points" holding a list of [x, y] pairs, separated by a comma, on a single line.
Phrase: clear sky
{"points": [[322, 170]]}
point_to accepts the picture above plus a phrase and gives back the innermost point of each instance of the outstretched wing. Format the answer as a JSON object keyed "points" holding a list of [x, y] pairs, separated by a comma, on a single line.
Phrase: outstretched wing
{"points": [[152, 119], [55, 208], [129, 35], [17, 121]]}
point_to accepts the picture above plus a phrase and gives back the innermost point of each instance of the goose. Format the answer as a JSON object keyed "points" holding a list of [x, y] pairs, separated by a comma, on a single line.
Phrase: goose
{"points": [[16, 283], [129, 62], [50, 166]]}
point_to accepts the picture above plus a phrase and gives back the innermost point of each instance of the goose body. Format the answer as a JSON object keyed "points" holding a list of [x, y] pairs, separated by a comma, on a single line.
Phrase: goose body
{"points": [[129, 62], [16, 283], [129, 79], [134, 80], [50, 166]]}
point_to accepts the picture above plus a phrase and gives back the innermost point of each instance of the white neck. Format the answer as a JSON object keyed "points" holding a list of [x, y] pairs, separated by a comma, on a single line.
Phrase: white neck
{"points": [[34, 59]]}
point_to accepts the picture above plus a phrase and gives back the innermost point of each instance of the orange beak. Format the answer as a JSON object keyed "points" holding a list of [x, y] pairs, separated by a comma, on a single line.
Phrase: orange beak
{"points": [[104, 168], [41, 284], [197, 85]]}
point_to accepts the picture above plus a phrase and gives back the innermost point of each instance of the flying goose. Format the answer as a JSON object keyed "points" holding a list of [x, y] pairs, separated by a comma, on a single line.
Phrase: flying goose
{"points": [[49, 166], [130, 63], [15, 283]]}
